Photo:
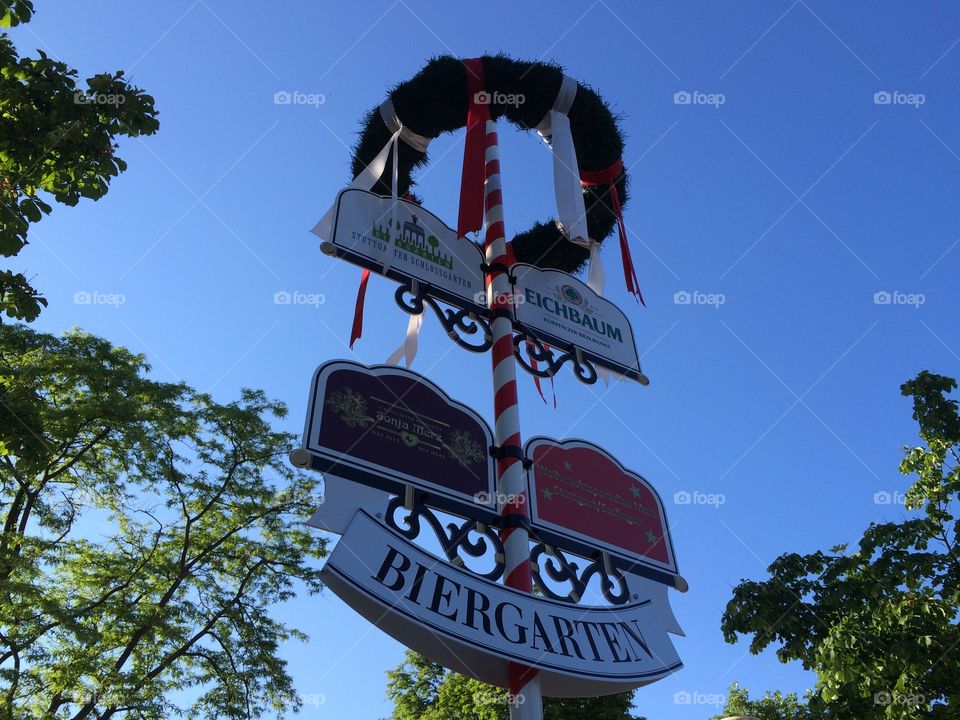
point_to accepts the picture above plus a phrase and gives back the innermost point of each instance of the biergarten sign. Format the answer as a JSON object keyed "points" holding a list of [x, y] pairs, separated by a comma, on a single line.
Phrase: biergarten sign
{"points": [[476, 627]]}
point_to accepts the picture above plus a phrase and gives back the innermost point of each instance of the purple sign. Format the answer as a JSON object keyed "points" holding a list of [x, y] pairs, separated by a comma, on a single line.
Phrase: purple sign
{"points": [[389, 427]]}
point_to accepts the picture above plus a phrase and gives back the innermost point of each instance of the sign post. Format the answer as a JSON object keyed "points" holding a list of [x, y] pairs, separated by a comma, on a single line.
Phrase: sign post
{"points": [[525, 700]]}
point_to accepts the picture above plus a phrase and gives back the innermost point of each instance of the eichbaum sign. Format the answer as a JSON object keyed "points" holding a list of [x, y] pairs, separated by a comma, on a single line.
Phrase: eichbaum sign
{"points": [[582, 498], [557, 308], [476, 627], [418, 247], [391, 428]]}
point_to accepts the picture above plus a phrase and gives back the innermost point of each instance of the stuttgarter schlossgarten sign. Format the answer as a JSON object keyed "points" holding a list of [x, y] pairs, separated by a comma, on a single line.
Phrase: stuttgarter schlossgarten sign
{"points": [[455, 539]]}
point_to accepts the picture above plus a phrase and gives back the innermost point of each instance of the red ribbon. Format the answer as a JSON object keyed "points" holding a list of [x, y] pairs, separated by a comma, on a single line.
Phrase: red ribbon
{"points": [[357, 330], [470, 218], [609, 176]]}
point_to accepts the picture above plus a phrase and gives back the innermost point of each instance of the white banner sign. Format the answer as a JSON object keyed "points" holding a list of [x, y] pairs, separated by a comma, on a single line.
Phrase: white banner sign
{"points": [[559, 309], [419, 246], [476, 627]]}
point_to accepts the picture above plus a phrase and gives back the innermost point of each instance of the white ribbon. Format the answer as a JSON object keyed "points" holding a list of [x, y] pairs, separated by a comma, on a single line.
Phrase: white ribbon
{"points": [[390, 119], [555, 130], [408, 348], [596, 277], [372, 172]]}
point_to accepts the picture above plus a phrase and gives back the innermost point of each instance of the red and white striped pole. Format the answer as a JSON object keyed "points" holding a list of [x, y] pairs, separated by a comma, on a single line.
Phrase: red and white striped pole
{"points": [[524, 682]]}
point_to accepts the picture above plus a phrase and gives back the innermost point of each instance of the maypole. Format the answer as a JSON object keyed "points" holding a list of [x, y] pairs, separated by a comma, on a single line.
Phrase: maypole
{"points": [[406, 466], [525, 702]]}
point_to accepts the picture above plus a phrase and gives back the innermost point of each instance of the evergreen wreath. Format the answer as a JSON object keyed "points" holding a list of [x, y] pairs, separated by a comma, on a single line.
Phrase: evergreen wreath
{"points": [[435, 101]]}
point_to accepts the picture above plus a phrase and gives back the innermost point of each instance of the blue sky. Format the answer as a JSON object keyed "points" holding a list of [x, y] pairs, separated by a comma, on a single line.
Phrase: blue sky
{"points": [[795, 202]]}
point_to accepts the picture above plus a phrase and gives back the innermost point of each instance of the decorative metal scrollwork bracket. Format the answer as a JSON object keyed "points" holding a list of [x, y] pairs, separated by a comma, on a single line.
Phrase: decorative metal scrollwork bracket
{"points": [[460, 325], [537, 352], [556, 565], [454, 537]]}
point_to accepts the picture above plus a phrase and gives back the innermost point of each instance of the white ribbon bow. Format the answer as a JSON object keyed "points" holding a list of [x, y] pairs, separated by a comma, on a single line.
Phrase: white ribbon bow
{"points": [[372, 172]]}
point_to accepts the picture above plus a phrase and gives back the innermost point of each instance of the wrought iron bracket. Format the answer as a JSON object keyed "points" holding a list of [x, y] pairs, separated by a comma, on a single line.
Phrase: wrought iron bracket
{"points": [[538, 352], [454, 537], [459, 324], [558, 567]]}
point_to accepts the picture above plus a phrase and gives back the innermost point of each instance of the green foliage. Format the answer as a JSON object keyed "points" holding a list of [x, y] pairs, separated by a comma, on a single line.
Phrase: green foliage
{"points": [[147, 532], [423, 690], [772, 706], [57, 141], [879, 625]]}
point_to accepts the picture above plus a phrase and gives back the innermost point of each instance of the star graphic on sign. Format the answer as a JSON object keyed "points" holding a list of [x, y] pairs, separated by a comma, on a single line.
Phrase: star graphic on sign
{"points": [[547, 493], [635, 490], [651, 537], [567, 465]]}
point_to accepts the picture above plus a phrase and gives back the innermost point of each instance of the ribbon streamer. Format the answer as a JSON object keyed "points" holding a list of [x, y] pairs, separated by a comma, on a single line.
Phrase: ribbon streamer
{"points": [[555, 131], [357, 329], [408, 348], [470, 216], [609, 176]]}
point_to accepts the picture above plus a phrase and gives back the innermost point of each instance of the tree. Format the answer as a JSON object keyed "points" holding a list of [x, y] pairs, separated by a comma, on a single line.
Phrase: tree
{"points": [[423, 690], [879, 625], [772, 706], [147, 532], [57, 139]]}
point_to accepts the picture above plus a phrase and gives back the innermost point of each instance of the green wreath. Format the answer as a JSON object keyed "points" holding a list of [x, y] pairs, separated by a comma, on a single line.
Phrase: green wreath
{"points": [[435, 101]]}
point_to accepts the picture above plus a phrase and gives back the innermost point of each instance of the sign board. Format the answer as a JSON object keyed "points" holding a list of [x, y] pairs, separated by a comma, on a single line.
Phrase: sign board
{"points": [[561, 310], [476, 627], [388, 427], [420, 247], [581, 498]]}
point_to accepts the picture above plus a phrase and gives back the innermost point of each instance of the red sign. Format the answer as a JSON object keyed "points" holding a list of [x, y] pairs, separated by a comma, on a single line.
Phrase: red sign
{"points": [[582, 498]]}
